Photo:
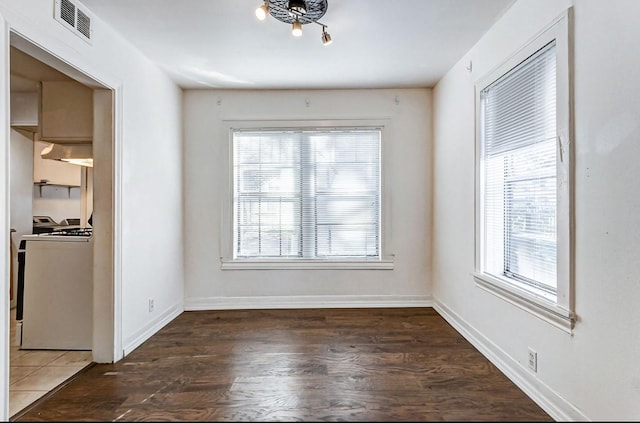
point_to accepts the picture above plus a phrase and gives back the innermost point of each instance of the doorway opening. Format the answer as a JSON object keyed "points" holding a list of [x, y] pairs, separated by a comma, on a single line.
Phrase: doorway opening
{"points": [[55, 106]]}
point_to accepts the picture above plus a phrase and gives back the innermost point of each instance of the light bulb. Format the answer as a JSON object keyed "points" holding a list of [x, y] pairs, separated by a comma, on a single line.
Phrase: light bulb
{"points": [[326, 38], [297, 29], [261, 12]]}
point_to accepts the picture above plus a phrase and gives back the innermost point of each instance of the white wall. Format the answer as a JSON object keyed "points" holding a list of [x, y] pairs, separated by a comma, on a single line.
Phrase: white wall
{"points": [[149, 259], [592, 374], [407, 166], [21, 199], [58, 202]]}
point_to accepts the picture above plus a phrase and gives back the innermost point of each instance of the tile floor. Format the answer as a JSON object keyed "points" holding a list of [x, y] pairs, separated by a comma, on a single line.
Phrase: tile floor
{"points": [[33, 373]]}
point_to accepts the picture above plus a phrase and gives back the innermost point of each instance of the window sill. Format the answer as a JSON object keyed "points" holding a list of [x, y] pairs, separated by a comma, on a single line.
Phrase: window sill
{"points": [[540, 307], [307, 264]]}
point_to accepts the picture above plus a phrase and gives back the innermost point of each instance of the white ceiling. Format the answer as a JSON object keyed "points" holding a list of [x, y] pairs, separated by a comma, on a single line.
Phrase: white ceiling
{"points": [[376, 43]]}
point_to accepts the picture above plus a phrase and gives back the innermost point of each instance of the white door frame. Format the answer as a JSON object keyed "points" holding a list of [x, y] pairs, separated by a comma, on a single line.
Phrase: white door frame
{"points": [[107, 314], [4, 218]]}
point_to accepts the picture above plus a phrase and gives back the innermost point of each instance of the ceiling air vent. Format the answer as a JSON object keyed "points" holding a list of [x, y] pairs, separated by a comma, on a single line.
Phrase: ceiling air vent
{"points": [[84, 24], [68, 12], [74, 18]]}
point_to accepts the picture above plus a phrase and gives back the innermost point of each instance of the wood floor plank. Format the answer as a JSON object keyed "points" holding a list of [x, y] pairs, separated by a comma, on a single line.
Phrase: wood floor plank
{"points": [[395, 364]]}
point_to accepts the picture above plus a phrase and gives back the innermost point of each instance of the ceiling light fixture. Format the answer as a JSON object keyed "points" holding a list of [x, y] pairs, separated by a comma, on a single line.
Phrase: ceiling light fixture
{"points": [[296, 13], [326, 38]]}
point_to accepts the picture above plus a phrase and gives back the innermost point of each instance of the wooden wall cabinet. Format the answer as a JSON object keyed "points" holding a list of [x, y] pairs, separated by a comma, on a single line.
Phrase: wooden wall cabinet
{"points": [[24, 111], [66, 112]]}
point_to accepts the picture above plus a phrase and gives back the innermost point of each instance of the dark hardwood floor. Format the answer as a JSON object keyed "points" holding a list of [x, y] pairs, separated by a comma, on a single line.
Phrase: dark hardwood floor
{"points": [[395, 364]]}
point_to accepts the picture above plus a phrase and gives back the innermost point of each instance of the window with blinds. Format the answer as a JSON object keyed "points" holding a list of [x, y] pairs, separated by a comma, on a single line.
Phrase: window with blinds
{"points": [[306, 194], [518, 162]]}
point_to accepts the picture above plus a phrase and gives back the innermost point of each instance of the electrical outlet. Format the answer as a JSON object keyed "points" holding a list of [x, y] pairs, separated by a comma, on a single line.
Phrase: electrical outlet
{"points": [[533, 360], [151, 305]]}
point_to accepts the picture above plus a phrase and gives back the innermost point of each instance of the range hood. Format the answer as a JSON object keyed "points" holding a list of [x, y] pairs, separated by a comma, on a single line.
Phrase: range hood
{"points": [[80, 154]]}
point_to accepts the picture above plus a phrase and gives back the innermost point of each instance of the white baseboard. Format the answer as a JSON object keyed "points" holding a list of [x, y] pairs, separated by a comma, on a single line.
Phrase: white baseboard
{"points": [[310, 301], [549, 400], [154, 326]]}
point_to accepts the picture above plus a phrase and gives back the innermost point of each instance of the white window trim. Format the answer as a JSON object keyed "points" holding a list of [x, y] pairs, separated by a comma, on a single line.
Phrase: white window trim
{"points": [[228, 262], [276, 264], [561, 312]]}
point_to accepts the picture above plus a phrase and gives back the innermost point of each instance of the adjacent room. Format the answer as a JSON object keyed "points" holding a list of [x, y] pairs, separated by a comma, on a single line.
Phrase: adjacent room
{"points": [[320, 210]]}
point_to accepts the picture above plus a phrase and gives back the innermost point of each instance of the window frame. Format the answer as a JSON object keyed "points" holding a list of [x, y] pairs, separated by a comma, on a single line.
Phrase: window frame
{"points": [[385, 261], [558, 311]]}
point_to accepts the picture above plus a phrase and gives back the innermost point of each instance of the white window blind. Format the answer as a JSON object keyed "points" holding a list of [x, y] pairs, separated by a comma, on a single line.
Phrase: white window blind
{"points": [[308, 194], [519, 168]]}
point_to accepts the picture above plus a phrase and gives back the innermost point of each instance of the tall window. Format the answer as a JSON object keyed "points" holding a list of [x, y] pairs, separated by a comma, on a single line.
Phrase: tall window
{"points": [[306, 194], [519, 168], [523, 215]]}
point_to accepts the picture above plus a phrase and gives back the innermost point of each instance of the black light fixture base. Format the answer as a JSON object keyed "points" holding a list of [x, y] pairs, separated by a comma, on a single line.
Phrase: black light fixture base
{"points": [[289, 11]]}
